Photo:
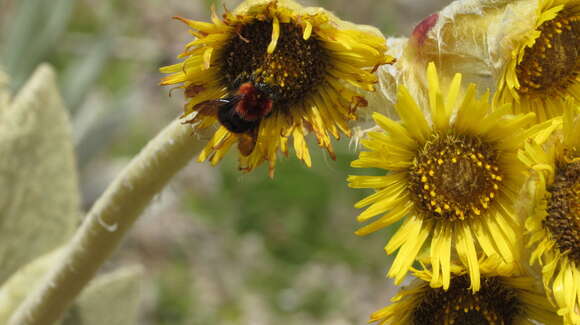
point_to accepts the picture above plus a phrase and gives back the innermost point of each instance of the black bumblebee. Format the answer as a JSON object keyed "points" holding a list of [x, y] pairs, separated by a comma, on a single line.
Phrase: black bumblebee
{"points": [[241, 112]]}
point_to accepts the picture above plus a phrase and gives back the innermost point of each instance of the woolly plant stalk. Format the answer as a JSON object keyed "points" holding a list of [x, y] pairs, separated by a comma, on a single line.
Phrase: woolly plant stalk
{"points": [[107, 222]]}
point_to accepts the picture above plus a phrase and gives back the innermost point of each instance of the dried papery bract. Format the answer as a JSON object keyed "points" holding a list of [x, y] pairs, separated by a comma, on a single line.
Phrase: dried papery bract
{"points": [[457, 40], [383, 100], [523, 51], [305, 61]]}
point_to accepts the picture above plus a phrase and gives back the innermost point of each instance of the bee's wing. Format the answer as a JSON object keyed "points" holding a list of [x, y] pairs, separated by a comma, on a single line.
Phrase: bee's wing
{"points": [[247, 142], [210, 107]]}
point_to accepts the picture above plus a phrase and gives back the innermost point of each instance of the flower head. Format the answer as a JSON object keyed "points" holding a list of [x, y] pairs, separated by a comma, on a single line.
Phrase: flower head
{"points": [[273, 69], [544, 64], [452, 179], [501, 300], [554, 220]]}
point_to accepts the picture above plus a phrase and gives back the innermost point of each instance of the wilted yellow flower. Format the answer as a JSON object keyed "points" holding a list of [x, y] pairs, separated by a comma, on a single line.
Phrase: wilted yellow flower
{"points": [[554, 223], [274, 69], [524, 51], [543, 68], [452, 178], [501, 300]]}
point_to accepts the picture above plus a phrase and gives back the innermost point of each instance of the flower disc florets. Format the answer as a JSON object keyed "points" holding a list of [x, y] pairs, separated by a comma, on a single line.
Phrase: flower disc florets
{"points": [[563, 219], [292, 71], [542, 65], [493, 304], [455, 177], [503, 299], [551, 65], [553, 219]]}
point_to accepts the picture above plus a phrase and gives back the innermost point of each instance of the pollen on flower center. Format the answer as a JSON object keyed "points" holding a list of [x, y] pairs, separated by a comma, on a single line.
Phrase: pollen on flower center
{"points": [[563, 220], [455, 177], [292, 71], [494, 304], [552, 64]]}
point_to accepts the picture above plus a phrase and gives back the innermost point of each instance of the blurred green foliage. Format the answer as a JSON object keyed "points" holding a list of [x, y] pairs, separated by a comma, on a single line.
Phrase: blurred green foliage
{"points": [[294, 211]]}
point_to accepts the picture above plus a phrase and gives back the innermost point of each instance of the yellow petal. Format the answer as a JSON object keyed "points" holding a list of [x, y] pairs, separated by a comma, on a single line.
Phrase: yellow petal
{"points": [[466, 251], [275, 35], [406, 256], [412, 116], [301, 147], [397, 132], [386, 220], [307, 31]]}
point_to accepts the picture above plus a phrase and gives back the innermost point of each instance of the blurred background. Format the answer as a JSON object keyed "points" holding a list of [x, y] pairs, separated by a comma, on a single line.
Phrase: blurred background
{"points": [[218, 247]]}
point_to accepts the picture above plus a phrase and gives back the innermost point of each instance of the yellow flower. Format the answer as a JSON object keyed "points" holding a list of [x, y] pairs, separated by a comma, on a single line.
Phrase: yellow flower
{"points": [[554, 222], [452, 178], [501, 300], [274, 69], [544, 65]]}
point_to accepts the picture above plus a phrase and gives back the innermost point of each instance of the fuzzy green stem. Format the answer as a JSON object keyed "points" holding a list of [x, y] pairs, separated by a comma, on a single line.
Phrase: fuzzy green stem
{"points": [[107, 222]]}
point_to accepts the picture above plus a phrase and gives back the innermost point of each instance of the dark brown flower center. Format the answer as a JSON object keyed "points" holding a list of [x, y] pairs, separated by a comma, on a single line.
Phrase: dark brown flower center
{"points": [[563, 220], [455, 177], [551, 64], [494, 304], [292, 71]]}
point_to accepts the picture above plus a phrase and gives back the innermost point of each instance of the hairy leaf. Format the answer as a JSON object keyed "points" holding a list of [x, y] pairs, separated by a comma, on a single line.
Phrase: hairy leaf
{"points": [[39, 199], [111, 299], [13, 292]]}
